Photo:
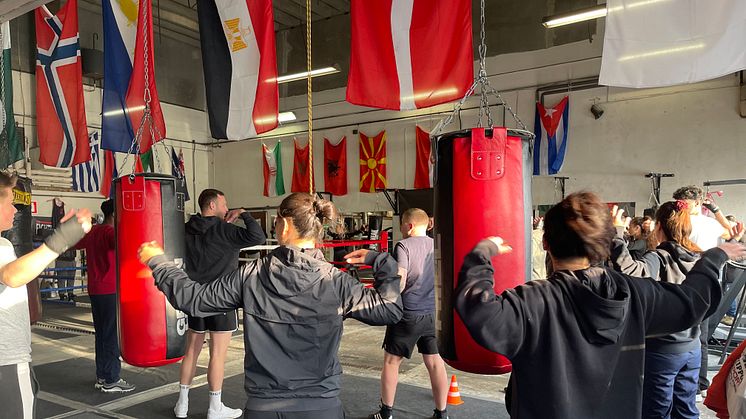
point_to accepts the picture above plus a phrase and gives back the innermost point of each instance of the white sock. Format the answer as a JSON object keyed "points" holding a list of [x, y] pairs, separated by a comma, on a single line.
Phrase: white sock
{"points": [[215, 403], [183, 394]]}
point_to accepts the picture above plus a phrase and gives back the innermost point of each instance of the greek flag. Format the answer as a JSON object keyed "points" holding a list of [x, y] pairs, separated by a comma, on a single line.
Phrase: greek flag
{"points": [[87, 175]]}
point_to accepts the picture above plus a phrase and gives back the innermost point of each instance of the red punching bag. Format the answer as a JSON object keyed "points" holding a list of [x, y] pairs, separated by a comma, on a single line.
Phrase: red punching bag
{"points": [[482, 188], [148, 207]]}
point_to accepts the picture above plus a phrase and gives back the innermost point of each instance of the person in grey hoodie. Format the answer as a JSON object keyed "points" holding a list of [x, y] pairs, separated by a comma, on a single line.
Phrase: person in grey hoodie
{"points": [[672, 361], [294, 303]]}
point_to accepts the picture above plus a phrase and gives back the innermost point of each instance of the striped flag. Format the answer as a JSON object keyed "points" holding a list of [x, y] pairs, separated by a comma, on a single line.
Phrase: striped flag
{"points": [[240, 66], [86, 175], [60, 110], [409, 54], [551, 137], [274, 183], [11, 148]]}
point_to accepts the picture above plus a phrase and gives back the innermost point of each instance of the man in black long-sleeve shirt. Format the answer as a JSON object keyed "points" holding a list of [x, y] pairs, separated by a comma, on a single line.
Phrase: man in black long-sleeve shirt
{"points": [[213, 243]]}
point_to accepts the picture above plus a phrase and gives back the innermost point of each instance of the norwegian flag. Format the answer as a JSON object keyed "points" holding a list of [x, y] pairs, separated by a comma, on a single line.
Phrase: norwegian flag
{"points": [[551, 137], [60, 109]]}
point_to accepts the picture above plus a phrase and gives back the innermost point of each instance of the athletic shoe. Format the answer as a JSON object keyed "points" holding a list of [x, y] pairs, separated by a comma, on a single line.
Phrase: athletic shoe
{"points": [[440, 414], [120, 386], [99, 383], [225, 412], [727, 320], [181, 410], [385, 412]]}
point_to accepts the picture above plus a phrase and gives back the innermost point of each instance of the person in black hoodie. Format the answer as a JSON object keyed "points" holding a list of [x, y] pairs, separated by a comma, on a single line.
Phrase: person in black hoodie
{"points": [[577, 340], [294, 303], [212, 246]]}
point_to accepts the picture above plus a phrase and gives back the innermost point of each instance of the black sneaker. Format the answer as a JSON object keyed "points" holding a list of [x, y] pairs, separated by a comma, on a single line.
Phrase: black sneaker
{"points": [[99, 383], [120, 386], [386, 412], [440, 414]]}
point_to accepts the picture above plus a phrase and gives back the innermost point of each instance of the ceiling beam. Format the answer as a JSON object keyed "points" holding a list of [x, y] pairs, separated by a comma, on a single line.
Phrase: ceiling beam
{"points": [[286, 19], [11, 9]]}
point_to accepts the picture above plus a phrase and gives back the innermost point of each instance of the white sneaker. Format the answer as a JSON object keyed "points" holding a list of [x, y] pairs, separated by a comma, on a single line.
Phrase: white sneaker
{"points": [[181, 410], [225, 412]]}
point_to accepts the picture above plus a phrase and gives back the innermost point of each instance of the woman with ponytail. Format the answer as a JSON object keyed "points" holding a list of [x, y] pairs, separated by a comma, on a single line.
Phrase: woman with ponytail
{"points": [[672, 361], [294, 303], [577, 340]]}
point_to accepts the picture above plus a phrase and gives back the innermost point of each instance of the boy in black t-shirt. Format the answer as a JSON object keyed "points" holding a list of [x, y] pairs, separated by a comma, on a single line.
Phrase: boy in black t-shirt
{"points": [[417, 327]]}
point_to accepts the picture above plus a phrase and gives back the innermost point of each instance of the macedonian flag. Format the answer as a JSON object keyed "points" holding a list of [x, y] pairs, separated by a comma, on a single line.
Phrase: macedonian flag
{"points": [[372, 162]]}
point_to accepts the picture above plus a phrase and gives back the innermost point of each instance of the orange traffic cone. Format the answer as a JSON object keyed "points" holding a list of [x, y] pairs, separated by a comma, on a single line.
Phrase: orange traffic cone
{"points": [[454, 397]]}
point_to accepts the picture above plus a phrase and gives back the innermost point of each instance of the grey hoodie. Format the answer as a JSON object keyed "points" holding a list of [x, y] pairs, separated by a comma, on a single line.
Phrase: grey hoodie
{"points": [[294, 303]]}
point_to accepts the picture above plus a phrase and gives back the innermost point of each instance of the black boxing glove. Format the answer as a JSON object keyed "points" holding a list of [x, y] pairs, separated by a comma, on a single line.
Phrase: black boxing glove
{"points": [[711, 206], [65, 236]]}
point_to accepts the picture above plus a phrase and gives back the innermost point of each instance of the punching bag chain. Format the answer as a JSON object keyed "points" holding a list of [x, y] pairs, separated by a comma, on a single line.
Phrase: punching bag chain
{"points": [[485, 88]]}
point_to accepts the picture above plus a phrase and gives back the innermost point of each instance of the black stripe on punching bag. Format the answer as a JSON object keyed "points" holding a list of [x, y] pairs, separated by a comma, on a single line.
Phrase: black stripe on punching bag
{"points": [[216, 62], [172, 211], [444, 239]]}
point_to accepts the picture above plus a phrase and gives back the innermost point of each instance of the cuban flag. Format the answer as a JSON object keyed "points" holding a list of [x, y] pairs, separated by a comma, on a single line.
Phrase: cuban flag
{"points": [[124, 69], [551, 137], [86, 176], [60, 109]]}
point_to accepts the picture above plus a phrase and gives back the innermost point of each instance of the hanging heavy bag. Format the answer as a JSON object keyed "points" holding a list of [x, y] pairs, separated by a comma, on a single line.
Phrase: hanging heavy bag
{"points": [[148, 207], [482, 188]]}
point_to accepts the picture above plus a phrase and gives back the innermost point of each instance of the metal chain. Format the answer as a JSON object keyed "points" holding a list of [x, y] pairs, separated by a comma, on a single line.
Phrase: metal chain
{"points": [[310, 96], [485, 88]]}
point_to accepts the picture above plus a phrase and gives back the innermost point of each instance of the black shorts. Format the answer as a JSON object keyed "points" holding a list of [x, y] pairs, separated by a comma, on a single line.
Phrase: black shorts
{"points": [[412, 329], [226, 322]]}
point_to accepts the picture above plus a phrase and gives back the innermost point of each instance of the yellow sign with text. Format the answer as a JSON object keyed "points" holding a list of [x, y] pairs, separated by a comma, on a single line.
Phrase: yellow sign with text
{"points": [[20, 197]]}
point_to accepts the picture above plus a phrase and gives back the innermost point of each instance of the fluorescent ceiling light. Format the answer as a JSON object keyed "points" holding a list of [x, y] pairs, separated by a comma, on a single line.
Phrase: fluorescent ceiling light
{"points": [[300, 76], [286, 117], [576, 16], [121, 111]]}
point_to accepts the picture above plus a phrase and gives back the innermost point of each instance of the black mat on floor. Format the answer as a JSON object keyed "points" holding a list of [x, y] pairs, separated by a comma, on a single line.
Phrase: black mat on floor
{"points": [[359, 395], [53, 334], [74, 379], [45, 409]]}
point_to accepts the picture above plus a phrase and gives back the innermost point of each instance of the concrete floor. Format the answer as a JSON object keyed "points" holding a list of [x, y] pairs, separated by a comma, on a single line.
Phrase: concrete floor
{"points": [[64, 364]]}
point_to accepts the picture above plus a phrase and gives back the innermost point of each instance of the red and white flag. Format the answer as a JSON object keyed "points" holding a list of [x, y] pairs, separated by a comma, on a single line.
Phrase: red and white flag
{"points": [[423, 169], [60, 109], [409, 54]]}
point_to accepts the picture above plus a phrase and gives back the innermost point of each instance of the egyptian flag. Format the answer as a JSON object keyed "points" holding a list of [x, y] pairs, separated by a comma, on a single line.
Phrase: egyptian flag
{"points": [[335, 167], [110, 173], [274, 184], [409, 54], [240, 66], [60, 110], [423, 169], [301, 180], [372, 162], [551, 137]]}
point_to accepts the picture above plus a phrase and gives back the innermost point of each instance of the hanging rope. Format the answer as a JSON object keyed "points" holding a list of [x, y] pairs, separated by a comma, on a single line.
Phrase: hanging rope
{"points": [[485, 90], [310, 96]]}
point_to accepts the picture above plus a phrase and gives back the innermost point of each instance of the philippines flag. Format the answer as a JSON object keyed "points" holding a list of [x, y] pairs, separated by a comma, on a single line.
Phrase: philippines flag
{"points": [[86, 175], [124, 72], [60, 109], [240, 66], [409, 54], [551, 137]]}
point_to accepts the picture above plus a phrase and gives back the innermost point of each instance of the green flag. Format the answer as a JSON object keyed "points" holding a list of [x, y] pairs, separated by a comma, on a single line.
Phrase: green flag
{"points": [[147, 161], [11, 149]]}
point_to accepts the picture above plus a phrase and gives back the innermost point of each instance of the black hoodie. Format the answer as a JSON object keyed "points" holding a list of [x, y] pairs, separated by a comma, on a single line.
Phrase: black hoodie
{"points": [[212, 245], [294, 303], [670, 262], [577, 340]]}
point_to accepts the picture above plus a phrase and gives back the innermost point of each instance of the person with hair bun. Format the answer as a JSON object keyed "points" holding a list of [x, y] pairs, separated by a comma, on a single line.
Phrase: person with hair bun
{"points": [[294, 303], [577, 340]]}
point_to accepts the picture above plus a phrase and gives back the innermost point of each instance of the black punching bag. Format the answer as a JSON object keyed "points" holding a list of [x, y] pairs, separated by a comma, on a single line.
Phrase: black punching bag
{"points": [[148, 208], [21, 236]]}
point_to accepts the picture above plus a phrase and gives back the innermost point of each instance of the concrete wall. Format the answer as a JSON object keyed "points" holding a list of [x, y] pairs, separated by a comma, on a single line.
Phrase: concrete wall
{"points": [[693, 131]]}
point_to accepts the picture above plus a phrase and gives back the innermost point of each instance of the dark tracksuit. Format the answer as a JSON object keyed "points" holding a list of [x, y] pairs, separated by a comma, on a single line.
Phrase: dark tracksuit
{"points": [[577, 340], [294, 303], [672, 361]]}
